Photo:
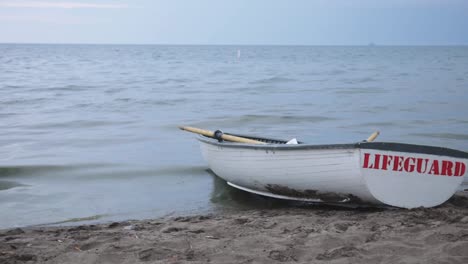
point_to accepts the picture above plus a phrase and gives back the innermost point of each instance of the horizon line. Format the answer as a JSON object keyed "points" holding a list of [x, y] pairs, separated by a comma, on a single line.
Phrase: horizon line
{"points": [[371, 44]]}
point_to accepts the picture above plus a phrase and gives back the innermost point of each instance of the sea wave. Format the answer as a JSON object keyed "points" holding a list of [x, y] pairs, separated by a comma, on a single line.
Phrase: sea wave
{"points": [[97, 171], [273, 80], [247, 120], [456, 136]]}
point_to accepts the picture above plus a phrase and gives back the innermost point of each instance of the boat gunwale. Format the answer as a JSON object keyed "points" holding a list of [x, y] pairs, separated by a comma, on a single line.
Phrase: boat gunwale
{"points": [[384, 146]]}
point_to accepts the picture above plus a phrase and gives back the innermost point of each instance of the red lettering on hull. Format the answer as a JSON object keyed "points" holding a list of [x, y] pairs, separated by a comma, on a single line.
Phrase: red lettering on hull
{"points": [[412, 164], [460, 169]]}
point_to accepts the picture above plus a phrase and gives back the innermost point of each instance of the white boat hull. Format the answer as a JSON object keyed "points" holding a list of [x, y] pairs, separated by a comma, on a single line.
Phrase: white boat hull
{"points": [[339, 173]]}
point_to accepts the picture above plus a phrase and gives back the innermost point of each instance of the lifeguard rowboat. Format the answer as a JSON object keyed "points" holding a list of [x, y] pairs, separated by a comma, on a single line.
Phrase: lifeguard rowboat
{"points": [[402, 175]]}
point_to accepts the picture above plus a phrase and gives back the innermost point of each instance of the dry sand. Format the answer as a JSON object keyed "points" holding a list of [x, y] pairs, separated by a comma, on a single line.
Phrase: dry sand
{"points": [[311, 234]]}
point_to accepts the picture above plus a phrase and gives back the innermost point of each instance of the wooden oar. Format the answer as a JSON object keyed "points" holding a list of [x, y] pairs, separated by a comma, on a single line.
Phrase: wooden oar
{"points": [[211, 134], [231, 138], [373, 136]]}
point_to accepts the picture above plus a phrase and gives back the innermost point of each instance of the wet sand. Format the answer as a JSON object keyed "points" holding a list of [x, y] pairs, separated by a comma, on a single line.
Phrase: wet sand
{"points": [[306, 234]]}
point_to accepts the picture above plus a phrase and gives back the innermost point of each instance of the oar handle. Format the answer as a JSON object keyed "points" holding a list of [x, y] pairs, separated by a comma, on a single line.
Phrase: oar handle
{"points": [[373, 136], [211, 134], [200, 131]]}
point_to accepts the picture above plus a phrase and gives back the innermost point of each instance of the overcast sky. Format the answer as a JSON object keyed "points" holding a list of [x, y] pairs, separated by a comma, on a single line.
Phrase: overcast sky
{"points": [[287, 22]]}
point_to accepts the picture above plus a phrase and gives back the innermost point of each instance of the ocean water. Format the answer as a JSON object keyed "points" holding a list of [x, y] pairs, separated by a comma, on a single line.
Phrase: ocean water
{"points": [[88, 133]]}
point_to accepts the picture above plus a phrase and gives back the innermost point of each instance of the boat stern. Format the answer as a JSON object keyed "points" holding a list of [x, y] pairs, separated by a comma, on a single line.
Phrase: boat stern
{"points": [[411, 176]]}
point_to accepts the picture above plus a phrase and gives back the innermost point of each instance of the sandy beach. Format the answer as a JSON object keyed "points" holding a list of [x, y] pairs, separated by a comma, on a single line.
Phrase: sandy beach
{"points": [[305, 234]]}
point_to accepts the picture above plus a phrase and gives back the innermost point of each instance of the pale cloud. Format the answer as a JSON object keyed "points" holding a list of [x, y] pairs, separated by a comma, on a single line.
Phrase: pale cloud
{"points": [[64, 5]]}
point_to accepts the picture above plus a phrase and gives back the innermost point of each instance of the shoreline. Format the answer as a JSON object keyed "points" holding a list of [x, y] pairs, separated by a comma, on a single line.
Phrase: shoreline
{"points": [[308, 234]]}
